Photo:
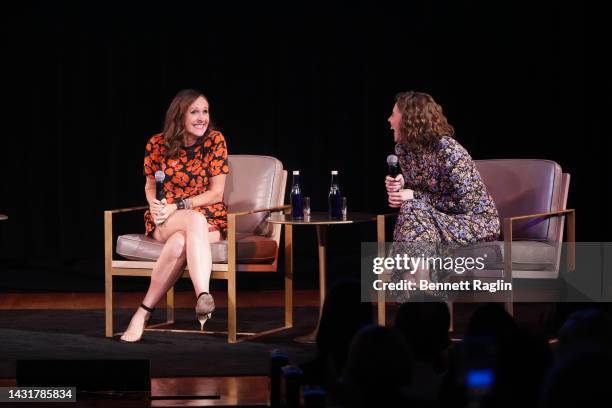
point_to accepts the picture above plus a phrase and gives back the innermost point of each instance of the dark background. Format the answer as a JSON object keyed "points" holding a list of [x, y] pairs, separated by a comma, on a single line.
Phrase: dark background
{"points": [[85, 85]]}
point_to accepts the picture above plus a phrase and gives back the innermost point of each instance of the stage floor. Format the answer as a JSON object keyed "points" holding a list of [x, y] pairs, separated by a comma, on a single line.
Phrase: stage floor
{"points": [[227, 384], [242, 390], [74, 301], [213, 391]]}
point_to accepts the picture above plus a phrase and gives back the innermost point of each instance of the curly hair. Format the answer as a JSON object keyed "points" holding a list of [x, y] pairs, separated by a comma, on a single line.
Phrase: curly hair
{"points": [[423, 123], [174, 124]]}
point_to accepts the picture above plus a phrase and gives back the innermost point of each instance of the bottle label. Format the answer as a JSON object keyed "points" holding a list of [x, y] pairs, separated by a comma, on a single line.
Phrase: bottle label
{"points": [[335, 205], [297, 211]]}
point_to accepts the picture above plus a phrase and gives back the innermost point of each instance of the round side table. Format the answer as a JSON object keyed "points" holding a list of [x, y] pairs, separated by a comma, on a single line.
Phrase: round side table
{"points": [[320, 221]]}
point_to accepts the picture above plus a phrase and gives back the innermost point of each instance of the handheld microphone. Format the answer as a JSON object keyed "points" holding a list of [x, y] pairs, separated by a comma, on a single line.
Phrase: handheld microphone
{"points": [[394, 168], [159, 185]]}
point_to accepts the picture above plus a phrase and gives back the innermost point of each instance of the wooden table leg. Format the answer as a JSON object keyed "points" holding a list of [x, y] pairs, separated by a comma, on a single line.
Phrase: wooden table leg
{"points": [[321, 242]]}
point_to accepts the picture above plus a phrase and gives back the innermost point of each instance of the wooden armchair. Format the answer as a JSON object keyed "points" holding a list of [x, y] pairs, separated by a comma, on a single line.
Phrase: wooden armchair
{"points": [[531, 197], [254, 188]]}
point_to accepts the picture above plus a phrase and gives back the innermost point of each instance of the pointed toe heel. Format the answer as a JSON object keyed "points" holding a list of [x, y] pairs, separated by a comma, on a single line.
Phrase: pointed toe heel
{"points": [[150, 310], [205, 305], [202, 319]]}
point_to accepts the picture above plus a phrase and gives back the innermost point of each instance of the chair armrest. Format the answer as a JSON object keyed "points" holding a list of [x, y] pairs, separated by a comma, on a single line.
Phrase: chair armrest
{"points": [[541, 215], [571, 230], [231, 231], [145, 207], [271, 209], [108, 231], [571, 236], [388, 215], [380, 226], [129, 209]]}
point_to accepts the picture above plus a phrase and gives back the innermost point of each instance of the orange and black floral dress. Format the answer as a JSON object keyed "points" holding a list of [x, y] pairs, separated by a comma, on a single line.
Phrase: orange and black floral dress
{"points": [[189, 174]]}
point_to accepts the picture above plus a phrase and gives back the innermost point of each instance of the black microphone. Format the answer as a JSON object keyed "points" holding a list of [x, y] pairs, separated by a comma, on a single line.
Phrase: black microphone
{"points": [[394, 168], [159, 185]]}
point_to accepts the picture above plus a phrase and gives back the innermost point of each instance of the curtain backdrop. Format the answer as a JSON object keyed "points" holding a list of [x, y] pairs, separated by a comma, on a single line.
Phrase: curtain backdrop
{"points": [[85, 85]]}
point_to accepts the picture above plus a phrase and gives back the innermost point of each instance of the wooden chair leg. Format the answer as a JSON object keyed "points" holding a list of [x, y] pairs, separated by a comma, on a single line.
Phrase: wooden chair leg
{"points": [[108, 273], [382, 316], [170, 305], [380, 295], [509, 304], [231, 279], [108, 304], [571, 241], [451, 311], [288, 276], [231, 307], [508, 262]]}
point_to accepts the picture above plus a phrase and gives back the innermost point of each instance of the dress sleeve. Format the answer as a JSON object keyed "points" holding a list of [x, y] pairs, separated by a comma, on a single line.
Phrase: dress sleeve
{"points": [[405, 156], [218, 164], [152, 156], [460, 178]]}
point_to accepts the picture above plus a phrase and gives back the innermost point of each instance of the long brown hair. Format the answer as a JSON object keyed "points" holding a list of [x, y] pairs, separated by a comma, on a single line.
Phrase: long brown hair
{"points": [[174, 124], [423, 123]]}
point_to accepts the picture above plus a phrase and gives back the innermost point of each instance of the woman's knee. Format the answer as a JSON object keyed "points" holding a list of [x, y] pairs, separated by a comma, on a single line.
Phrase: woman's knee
{"points": [[409, 206], [175, 245], [195, 220]]}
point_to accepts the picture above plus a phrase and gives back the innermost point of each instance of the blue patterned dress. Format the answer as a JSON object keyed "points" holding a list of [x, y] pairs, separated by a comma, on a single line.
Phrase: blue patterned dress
{"points": [[451, 204]]}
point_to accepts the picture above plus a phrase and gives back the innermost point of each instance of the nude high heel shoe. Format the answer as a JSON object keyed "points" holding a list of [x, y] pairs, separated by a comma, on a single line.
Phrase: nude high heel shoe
{"points": [[148, 309], [205, 305]]}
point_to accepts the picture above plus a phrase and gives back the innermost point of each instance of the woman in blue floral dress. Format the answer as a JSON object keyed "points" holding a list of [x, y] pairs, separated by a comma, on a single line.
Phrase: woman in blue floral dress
{"points": [[440, 194]]}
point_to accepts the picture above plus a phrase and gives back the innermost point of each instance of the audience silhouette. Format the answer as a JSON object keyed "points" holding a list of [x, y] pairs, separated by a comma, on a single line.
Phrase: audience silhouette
{"points": [[425, 326], [379, 369], [497, 363], [343, 315]]}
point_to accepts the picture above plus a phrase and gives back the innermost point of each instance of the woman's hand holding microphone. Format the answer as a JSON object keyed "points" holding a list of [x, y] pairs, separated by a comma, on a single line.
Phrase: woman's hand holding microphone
{"points": [[161, 210], [397, 194]]}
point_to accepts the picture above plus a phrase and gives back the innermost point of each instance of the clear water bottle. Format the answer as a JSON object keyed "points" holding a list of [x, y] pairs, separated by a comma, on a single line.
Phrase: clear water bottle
{"points": [[335, 197], [297, 211]]}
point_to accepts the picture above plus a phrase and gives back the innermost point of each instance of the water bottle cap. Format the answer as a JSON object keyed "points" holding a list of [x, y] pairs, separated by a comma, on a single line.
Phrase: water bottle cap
{"points": [[296, 172], [334, 172]]}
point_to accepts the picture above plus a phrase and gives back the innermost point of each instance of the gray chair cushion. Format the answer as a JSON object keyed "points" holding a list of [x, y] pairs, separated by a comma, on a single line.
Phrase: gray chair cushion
{"points": [[526, 255], [250, 248]]}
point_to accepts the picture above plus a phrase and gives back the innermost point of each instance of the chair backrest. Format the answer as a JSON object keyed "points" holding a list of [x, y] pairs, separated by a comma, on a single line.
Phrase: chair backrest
{"points": [[255, 182], [527, 186]]}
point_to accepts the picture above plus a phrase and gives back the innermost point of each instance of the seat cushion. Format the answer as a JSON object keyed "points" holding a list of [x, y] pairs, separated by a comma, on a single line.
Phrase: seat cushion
{"points": [[526, 255], [250, 248]]}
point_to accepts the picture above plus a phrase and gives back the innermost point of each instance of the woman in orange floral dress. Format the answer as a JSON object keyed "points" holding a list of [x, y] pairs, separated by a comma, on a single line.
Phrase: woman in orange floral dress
{"points": [[193, 158]]}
